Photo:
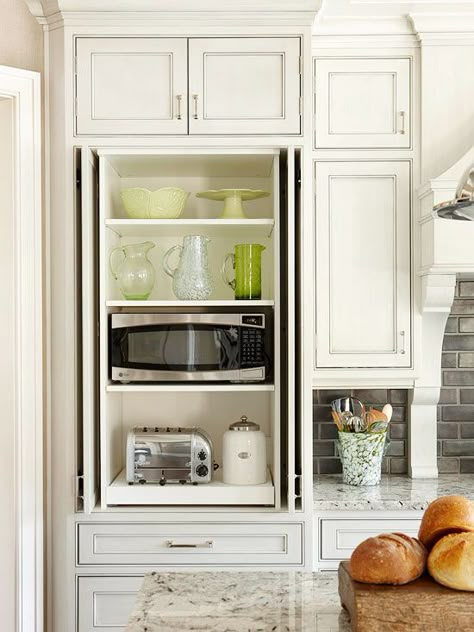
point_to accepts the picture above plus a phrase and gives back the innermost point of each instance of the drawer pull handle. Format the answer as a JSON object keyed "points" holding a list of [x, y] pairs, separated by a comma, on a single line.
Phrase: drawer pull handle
{"points": [[178, 99], [402, 117], [195, 102], [170, 544]]}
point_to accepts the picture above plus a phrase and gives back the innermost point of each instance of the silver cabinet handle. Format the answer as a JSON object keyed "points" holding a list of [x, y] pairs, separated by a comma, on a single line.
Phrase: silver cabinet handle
{"points": [[195, 103], [178, 109], [170, 544], [403, 349], [402, 122]]}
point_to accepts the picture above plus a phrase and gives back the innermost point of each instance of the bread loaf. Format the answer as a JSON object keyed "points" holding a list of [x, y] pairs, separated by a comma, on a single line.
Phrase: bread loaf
{"points": [[389, 558], [451, 561], [445, 515]]}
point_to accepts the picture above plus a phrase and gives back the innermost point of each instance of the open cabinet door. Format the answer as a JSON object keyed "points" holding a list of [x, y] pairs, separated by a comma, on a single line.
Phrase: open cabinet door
{"points": [[292, 410], [89, 213]]}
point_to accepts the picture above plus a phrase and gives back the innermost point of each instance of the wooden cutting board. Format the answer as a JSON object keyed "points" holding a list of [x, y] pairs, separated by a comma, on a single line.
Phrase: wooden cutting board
{"points": [[421, 606]]}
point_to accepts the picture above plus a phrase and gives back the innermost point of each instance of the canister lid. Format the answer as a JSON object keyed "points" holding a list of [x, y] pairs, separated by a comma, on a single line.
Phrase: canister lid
{"points": [[244, 424]]}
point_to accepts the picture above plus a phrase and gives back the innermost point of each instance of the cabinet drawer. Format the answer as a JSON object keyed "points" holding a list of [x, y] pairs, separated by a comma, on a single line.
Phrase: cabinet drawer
{"points": [[362, 103], [340, 537], [105, 603], [203, 543]]}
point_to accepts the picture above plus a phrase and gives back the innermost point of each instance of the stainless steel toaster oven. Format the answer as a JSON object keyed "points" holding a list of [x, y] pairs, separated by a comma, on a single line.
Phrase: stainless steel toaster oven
{"points": [[169, 455]]}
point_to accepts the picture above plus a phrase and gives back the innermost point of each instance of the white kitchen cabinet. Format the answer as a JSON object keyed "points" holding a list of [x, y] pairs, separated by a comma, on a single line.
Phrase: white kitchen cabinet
{"points": [[106, 602], [189, 544], [130, 85], [362, 103], [363, 262], [338, 537], [244, 85]]}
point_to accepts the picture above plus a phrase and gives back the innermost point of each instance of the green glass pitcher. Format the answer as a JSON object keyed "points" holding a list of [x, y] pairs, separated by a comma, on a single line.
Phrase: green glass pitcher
{"points": [[135, 273], [247, 263]]}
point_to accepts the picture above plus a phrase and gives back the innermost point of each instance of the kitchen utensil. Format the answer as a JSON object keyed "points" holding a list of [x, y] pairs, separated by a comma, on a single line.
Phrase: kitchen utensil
{"points": [[247, 263], [388, 412], [244, 459], [462, 207], [347, 408], [233, 199], [164, 203], [192, 280], [135, 274]]}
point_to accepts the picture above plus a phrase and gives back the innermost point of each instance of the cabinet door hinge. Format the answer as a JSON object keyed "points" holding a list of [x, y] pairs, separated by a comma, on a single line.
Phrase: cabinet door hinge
{"points": [[301, 106], [75, 65], [79, 492]]}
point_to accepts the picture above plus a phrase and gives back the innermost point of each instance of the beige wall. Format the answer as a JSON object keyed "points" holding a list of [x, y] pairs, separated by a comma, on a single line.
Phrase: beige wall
{"points": [[21, 37]]}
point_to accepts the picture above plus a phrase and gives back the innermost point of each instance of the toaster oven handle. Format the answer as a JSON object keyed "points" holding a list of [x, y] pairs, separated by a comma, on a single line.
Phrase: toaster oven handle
{"points": [[170, 544]]}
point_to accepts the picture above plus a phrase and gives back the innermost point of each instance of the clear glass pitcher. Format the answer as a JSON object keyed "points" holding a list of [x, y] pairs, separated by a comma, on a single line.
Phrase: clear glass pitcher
{"points": [[135, 273], [192, 280], [247, 263]]}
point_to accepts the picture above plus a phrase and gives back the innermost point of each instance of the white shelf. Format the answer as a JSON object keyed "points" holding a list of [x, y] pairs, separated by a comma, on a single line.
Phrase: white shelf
{"points": [[252, 229], [226, 303], [183, 388], [214, 493]]}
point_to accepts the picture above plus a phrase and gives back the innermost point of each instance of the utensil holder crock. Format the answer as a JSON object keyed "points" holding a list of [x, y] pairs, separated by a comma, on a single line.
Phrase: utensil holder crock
{"points": [[361, 455]]}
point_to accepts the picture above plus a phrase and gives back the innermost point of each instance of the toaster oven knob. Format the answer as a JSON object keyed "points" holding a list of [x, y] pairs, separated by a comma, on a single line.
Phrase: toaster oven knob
{"points": [[202, 470], [202, 455]]}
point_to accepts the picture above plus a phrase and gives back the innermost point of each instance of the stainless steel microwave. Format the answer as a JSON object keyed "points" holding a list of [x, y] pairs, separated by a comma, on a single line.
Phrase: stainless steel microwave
{"points": [[189, 347]]}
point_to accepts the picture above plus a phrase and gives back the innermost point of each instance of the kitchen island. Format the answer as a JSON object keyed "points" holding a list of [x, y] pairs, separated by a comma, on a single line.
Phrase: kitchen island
{"points": [[222, 601]]}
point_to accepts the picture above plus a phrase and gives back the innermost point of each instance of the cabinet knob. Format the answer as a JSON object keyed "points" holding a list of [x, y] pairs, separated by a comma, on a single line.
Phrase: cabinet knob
{"points": [[178, 107], [195, 105]]}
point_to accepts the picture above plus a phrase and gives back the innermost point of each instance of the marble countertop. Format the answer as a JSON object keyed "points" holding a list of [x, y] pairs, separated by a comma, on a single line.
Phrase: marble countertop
{"points": [[393, 494], [238, 601]]}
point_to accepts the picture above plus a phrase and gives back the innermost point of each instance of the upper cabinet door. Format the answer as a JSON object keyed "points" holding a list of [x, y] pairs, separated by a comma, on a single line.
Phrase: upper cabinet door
{"points": [[131, 86], [244, 86], [362, 103], [363, 264]]}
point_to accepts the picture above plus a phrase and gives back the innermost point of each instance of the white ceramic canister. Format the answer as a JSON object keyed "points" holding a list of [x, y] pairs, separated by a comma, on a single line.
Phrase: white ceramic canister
{"points": [[244, 454]]}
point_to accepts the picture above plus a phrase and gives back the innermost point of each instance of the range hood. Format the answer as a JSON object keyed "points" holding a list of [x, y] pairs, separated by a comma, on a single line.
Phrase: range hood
{"points": [[462, 207]]}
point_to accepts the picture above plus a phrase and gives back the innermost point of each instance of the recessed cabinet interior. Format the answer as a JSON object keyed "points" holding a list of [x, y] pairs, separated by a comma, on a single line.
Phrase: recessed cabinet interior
{"points": [[210, 405], [362, 103], [140, 85], [363, 315]]}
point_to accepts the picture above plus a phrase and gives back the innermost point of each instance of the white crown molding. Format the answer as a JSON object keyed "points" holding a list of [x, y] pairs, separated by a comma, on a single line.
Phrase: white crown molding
{"points": [[366, 25], [254, 12], [444, 29]]}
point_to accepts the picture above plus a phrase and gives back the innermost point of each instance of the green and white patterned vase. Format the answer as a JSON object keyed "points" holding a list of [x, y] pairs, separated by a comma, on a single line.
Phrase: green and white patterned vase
{"points": [[361, 455]]}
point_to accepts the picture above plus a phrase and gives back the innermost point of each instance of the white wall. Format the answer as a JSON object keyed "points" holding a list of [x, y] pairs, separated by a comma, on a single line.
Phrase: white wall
{"points": [[7, 417], [21, 37]]}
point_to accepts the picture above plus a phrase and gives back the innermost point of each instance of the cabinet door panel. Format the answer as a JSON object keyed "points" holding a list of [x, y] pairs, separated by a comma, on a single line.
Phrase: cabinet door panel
{"points": [[362, 103], [363, 264], [244, 86], [105, 603], [131, 86]]}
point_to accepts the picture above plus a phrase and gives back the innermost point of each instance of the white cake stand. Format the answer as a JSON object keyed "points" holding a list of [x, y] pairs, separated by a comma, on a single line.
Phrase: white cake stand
{"points": [[233, 199]]}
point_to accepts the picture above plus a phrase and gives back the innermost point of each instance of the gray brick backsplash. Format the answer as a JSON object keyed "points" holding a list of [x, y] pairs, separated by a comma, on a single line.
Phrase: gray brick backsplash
{"points": [[466, 396], [457, 413], [458, 342], [449, 465], [448, 430], [450, 396], [466, 360], [458, 378], [466, 288], [467, 466], [449, 361], [466, 325], [452, 325], [467, 431], [462, 307], [458, 448], [325, 458]]}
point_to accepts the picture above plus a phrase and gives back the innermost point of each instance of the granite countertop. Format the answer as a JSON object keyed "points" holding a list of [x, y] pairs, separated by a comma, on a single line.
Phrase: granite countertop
{"points": [[393, 494], [238, 601]]}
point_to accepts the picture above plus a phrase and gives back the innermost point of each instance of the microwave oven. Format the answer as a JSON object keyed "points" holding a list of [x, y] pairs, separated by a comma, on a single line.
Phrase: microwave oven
{"points": [[189, 347]]}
